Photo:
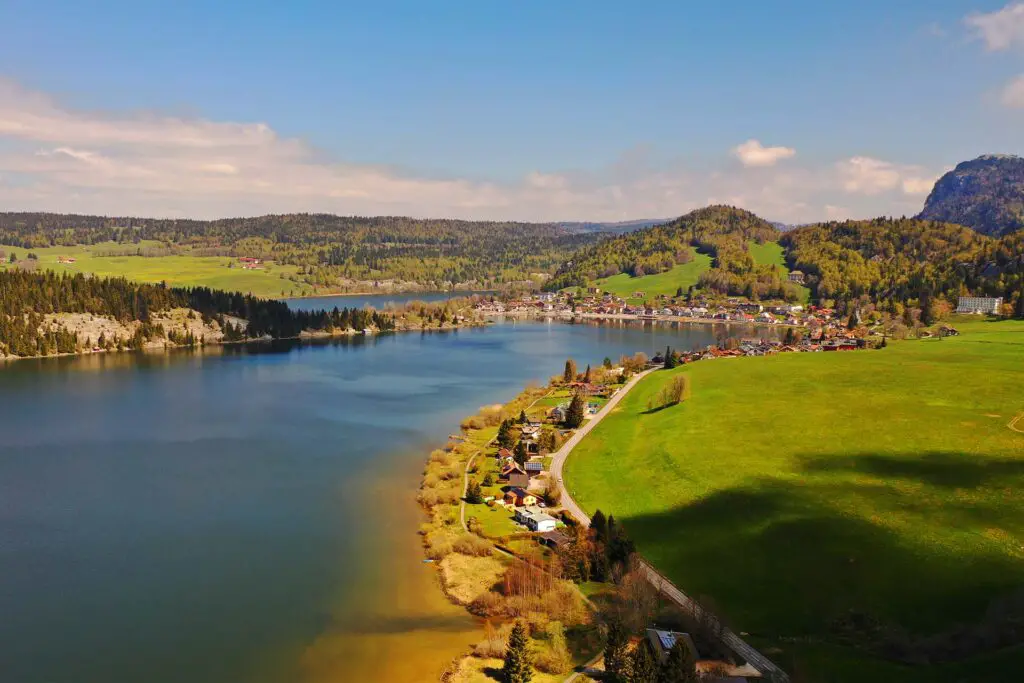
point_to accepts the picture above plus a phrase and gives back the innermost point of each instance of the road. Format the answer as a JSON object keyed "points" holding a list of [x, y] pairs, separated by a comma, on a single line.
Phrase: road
{"points": [[767, 668]]}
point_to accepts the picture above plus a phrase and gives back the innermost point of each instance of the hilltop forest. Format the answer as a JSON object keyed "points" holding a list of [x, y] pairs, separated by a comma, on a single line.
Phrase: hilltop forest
{"points": [[723, 232], [895, 263], [328, 249]]}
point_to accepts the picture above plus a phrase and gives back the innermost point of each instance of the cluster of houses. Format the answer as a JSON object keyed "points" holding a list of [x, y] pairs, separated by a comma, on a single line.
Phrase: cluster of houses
{"points": [[250, 263], [596, 304]]}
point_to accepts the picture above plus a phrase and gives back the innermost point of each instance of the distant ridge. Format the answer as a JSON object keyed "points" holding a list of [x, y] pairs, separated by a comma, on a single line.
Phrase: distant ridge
{"points": [[985, 194], [617, 228]]}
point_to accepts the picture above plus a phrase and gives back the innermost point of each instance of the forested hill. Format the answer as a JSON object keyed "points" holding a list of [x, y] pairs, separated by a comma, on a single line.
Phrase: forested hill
{"points": [[986, 194], [896, 262], [724, 232], [34, 308], [326, 247]]}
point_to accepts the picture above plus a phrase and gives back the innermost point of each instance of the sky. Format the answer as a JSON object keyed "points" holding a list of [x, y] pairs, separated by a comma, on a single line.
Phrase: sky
{"points": [[536, 110]]}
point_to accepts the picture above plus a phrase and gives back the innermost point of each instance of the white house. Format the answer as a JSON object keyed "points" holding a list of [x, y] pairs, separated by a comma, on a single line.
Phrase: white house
{"points": [[535, 519]]}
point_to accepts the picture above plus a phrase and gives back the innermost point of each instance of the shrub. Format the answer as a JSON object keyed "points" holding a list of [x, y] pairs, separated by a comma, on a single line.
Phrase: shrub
{"points": [[471, 544]]}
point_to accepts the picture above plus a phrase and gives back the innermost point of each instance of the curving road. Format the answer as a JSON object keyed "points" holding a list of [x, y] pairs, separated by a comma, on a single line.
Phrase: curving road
{"points": [[767, 668]]}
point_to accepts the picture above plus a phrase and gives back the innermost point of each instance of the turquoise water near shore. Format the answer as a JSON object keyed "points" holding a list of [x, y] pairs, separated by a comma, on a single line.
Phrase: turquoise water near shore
{"points": [[246, 514]]}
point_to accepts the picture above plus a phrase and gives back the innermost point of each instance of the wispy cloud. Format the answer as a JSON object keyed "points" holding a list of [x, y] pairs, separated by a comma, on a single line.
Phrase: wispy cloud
{"points": [[999, 30], [57, 158], [753, 153]]}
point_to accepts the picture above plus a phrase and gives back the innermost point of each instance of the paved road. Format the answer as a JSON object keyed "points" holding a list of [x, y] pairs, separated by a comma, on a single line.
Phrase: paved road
{"points": [[767, 668]]}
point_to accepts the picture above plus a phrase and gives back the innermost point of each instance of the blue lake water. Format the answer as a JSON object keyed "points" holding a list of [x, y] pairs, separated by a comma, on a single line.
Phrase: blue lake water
{"points": [[246, 514]]}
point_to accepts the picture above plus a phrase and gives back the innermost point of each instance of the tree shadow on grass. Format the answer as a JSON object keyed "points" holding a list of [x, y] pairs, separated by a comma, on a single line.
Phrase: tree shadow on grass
{"points": [[789, 557], [944, 468]]}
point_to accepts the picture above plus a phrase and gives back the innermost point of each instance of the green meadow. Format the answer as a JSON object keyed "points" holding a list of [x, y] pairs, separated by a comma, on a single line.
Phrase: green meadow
{"points": [[189, 271], [773, 254], [662, 283], [797, 490]]}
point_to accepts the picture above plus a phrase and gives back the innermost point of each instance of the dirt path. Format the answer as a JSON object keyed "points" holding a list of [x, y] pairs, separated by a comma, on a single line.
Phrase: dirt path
{"points": [[767, 668], [1013, 424]]}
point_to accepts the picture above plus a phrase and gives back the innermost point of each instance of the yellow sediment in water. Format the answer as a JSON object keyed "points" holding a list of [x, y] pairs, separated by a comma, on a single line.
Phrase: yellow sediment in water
{"points": [[414, 633]]}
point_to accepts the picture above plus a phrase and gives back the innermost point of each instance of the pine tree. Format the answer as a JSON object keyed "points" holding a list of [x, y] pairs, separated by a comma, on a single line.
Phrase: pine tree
{"points": [[1020, 299], [599, 523], [642, 667], [670, 358], [505, 438], [520, 454], [575, 414], [679, 666], [616, 654], [517, 667], [474, 495], [608, 362], [570, 371], [522, 417], [586, 375]]}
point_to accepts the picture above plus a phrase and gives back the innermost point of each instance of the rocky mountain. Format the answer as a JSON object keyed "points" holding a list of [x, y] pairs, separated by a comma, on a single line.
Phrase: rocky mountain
{"points": [[986, 194]]}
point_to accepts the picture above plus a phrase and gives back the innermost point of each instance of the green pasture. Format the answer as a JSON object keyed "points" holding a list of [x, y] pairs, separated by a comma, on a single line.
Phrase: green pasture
{"points": [[666, 283], [796, 489], [186, 271]]}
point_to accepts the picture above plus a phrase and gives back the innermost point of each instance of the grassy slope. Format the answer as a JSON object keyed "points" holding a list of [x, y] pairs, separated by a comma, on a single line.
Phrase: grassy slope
{"points": [[795, 487], [662, 283], [772, 254], [208, 271]]}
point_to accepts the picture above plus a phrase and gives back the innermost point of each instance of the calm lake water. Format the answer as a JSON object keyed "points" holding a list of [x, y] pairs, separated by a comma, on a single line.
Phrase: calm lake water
{"points": [[247, 515]]}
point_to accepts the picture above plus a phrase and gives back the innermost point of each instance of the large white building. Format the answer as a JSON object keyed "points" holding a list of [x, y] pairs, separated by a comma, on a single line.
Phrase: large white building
{"points": [[980, 304]]}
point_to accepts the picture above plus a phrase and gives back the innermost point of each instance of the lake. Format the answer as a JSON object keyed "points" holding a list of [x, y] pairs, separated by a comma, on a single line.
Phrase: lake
{"points": [[246, 514]]}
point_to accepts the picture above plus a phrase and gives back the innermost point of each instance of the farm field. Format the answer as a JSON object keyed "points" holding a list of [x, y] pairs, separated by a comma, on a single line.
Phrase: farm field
{"points": [[802, 492], [187, 271], [662, 283]]}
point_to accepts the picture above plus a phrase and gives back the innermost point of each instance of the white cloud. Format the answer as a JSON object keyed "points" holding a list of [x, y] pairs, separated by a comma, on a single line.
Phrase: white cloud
{"points": [[999, 30], [56, 158], [869, 176], [753, 153]]}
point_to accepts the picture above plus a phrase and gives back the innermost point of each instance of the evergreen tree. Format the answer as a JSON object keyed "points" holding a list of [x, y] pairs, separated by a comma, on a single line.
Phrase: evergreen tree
{"points": [[517, 667], [679, 666], [474, 495], [488, 479], [570, 371], [575, 414], [522, 417], [1020, 299], [586, 375], [679, 291], [642, 667], [599, 523], [670, 358], [616, 653], [520, 454], [505, 438], [608, 361]]}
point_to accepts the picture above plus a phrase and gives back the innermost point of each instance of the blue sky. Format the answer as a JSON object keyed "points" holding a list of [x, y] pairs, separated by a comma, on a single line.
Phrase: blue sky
{"points": [[532, 110]]}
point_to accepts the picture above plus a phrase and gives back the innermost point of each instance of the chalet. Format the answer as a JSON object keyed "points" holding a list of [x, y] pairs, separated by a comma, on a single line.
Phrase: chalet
{"points": [[515, 475], [593, 290], [639, 295], [980, 305], [533, 468], [530, 432], [504, 453], [558, 413], [796, 276], [535, 519], [662, 642], [519, 497]]}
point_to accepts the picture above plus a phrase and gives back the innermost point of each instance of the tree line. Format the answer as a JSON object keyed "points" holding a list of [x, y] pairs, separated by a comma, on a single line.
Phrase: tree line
{"points": [[26, 298]]}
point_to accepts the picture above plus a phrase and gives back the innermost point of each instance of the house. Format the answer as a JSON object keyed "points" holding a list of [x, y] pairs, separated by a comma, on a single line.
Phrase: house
{"points": [[65, 259], [533, 468], [535, 519], [530, 432], [519, 497], [662, 642], [639, 295], [980, 305], [796, 276], [593, 290], [515, 475], [558, 413]]}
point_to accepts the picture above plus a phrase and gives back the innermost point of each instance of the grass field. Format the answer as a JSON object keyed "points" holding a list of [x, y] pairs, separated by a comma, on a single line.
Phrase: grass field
{"points": [[652, 285], [795, 488], [772, 254], [206, 271]]}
